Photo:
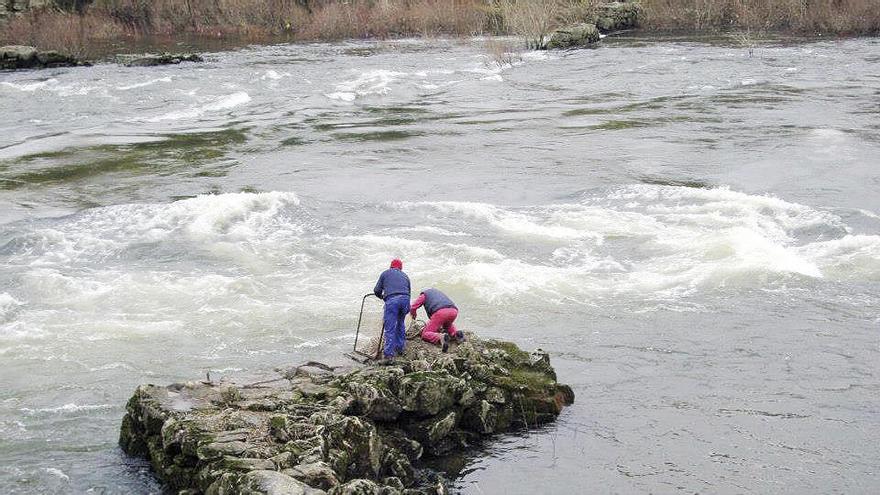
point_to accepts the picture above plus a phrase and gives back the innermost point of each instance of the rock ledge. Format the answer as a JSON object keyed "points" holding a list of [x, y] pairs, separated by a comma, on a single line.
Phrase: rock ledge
{"points": [[361, 430], [28, 57]]}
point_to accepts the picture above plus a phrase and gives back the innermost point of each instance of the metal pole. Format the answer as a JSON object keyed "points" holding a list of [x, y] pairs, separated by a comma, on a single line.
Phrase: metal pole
{"points": [[360, 317]]}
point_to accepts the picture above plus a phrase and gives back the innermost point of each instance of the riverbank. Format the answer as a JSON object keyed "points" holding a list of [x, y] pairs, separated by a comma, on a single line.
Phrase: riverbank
{"points": [[99, 27]]}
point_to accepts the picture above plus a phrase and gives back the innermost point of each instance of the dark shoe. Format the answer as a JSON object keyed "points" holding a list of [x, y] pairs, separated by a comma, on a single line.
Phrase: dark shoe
{"points": [[445, 342], [459, 337]]}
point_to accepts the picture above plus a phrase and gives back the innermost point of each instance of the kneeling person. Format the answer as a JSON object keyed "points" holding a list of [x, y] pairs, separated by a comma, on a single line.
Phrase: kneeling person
{"points": [[441, 313]]}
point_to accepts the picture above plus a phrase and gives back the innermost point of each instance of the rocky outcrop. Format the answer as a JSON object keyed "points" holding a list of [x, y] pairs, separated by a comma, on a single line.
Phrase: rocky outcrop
{"points": [[606, 18], [319, 430], [28, 57], [153, 59], [617, 16], [573, 36]]}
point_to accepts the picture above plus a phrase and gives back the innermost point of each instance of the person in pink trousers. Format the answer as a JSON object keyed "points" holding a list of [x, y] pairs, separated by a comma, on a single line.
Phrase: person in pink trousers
{"points": [[442, 313]]}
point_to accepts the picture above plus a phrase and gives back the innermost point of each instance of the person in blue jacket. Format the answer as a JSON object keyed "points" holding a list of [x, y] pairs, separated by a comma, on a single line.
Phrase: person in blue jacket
{"points": [[393, 288]]}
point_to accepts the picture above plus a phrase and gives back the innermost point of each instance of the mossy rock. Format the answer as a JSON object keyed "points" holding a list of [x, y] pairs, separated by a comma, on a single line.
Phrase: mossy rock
{"points": [[361, 430]]}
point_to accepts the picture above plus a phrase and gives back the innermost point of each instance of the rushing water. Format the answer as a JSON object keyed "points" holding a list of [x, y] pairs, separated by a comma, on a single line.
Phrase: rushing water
{"points": [[691, 231]]}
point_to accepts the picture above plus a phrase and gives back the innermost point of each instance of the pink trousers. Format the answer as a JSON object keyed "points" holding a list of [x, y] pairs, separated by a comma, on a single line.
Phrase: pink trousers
{"points": [[442, 318]]}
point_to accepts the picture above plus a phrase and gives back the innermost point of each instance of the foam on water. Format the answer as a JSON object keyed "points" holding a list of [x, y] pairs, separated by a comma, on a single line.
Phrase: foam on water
{"points": [[246, 260], [69, 408], [853, 257], [30, 87], [373, 82], [144, 84], [680, 240], [102, 232], [8, 304], [218, 104]]}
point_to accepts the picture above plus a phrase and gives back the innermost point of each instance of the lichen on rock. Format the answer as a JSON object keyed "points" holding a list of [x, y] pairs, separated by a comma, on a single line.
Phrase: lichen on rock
{"points": [[362, 430]]}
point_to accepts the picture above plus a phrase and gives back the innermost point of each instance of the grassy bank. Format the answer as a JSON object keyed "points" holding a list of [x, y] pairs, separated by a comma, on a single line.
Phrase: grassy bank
{"points": [[79, 30], [807, 17]]}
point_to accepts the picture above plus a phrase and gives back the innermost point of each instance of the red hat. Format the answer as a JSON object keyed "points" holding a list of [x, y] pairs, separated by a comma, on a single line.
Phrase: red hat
{"points": [[396, 263]]}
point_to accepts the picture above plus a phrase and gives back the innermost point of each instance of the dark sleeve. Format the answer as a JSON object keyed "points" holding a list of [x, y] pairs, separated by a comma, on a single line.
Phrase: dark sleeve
{"points": [[378, 288]]}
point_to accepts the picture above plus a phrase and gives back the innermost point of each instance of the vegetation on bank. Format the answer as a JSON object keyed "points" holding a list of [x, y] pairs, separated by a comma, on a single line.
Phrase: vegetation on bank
{"points": [[807, 17], [75, 26]]}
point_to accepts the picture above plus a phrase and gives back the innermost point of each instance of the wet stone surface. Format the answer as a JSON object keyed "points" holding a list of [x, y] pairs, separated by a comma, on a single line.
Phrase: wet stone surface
{"points": [[356, 430]]}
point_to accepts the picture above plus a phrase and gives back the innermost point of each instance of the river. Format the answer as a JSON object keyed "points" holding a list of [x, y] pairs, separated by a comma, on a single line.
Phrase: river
{"points": [[689, 227]]}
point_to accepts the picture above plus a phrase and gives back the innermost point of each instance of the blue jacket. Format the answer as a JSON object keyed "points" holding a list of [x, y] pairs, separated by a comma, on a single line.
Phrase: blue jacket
{"points": [[392, 282], [436, 300]]}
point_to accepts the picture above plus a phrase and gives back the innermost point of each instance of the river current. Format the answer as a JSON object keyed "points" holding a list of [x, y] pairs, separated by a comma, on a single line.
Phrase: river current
{"points": [[691, 229]]}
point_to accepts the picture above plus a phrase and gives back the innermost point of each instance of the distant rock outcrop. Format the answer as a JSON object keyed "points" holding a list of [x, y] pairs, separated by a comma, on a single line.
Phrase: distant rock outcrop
{"points": [[152, 59], [606, 18], [315, 430], [617, 16], [573, 36], [28, 57]]}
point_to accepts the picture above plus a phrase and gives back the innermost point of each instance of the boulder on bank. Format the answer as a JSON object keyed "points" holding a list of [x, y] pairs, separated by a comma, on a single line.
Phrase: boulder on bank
{"points": [[617, 16], [573, 36], [28, 57], [359, 430], [153, 59]]}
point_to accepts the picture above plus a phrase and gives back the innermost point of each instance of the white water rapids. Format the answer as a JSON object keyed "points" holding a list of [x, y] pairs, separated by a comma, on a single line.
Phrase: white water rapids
{"points": [[693, 233]]}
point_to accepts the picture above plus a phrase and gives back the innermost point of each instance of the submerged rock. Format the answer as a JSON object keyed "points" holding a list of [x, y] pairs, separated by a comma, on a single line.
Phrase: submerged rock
{"points": [[28, 57], [573, 36], [153, 59], [359, 430]]}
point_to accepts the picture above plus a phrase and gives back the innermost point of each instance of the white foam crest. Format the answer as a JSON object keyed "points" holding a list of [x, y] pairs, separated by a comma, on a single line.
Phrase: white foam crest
{"points": [[222, 103], [31, 86], [273, 75], [720, 207], [232, 217], [512, 222], [380, 246], [8, 305], [678, 240], [53, 86], [514, 282], [113, 366], [428, 229], [850, 257], [144, 84], [372, 82], [67, 409], [735, 257]]}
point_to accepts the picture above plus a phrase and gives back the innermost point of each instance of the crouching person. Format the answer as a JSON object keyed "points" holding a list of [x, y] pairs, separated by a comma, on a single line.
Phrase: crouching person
{"points": [[442, 313]]}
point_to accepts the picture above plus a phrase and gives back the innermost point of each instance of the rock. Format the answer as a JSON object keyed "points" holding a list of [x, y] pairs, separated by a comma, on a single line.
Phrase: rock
{"points": [[481, 418], [573, 36], [153, 59], [617, 16], [28, 57], [347, 431], [317, 474], [357, 487], [260, 482], [426, 393], [246, 464]]}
